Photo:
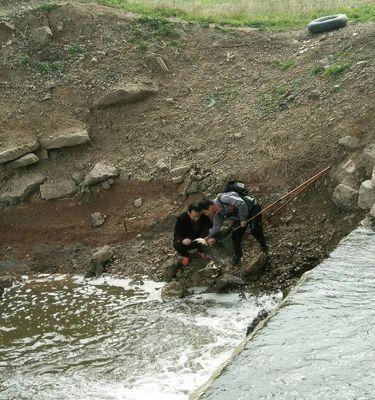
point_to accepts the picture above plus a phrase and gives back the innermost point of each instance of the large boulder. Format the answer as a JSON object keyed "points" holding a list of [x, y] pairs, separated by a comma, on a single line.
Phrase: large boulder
{"points": [[99, 173], [350, 172], [6, 30], [345, 197], [174, 290], [256, 268], [42, 36], [349, 143], [228, 281], [103, 254], [51, 190], [130, 93], [21, 188], [24, 161], [11, 152], [366, 197], [64, 138]]}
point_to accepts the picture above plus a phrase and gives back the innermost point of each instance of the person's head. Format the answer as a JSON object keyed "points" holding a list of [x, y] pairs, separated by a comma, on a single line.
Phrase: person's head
{"points": [[194, 212], [208, 208]]}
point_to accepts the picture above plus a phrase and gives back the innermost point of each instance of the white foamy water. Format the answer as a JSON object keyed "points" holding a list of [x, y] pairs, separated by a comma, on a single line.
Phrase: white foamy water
{"points": [[69, 338]]}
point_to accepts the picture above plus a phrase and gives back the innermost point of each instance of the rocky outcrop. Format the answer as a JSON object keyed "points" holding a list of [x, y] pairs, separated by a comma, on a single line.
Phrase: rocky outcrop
{"points": [[130, 93], [21, 188], [41, 37], [174, 290], [24, 161], [64, 138], [262, 314], [366, 197], [11, 152], [345, 197], [57, 190], [99, 173]]}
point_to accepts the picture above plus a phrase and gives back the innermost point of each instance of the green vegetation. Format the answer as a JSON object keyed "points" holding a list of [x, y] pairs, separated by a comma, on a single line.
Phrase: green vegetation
{"points": [[42, 67], [74, 50], [336, 70], [285, 64], [264, 14], [46, 7]]}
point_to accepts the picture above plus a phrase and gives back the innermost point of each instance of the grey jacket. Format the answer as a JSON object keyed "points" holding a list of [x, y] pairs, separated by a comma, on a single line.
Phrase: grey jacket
{"points": [[227, 202]]}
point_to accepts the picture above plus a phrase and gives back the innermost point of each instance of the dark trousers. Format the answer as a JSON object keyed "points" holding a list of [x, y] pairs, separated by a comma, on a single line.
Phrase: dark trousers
{"points": [[256, 229], [183, 250]]}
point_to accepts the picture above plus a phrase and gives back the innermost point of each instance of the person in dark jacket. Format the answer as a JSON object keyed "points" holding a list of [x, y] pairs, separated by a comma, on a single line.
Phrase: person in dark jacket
{"points": [[190, 225], [239, 209]]}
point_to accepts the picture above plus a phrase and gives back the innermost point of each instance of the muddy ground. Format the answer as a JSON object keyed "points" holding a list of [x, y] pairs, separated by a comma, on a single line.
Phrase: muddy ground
{"points": [[244, 103]]}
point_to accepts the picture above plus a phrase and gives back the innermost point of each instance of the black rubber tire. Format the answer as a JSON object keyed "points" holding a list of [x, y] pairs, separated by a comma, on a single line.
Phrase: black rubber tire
{"points": [[329, 23]]}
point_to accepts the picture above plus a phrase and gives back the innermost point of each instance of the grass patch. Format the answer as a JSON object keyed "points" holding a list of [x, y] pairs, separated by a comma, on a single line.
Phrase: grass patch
{"points": [[285, 64], [75, 50], [262, 14], [336, 70], [46, 7], [42, 67]]}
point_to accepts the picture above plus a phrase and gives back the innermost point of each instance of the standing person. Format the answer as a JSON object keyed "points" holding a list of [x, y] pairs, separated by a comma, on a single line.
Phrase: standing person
{"points": [[240, 209], [190, 225]]}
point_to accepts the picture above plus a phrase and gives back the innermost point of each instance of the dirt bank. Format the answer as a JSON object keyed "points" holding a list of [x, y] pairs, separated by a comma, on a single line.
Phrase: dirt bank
{"points": [[268, 108]]}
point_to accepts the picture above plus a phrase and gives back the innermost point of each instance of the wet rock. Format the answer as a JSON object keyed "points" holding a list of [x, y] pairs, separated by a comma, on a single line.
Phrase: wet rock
{"points": [[64, 138], [256, 268], [97, 219], [345, 197], [139, 202], [21, 188], [174, 290], [349, 143], [99, 173], [210, 271], [262, 314], [24, 161], [6, 30], [95, 270], [126, 94], [57, 190], [179, 171], [10, 153], [103, 254], [366, 197], [41, 37], [5, 282], [228, 281], [368, 222], [369, 156]]}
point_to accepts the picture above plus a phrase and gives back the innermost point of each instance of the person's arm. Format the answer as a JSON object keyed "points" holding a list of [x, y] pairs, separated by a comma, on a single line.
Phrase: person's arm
{"points": [[236, 201], [216, 225]]}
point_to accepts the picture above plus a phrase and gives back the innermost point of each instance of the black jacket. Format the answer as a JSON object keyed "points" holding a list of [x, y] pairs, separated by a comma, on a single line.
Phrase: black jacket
{"points": [[186, 228]]}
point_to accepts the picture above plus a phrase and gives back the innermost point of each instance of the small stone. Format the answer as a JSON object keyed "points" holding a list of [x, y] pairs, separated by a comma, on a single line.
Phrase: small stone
{"points": [[42, 154], [174, 290], [345, 197], [139, 202], [180, 171], [76, 177], [237, 135], [369, 154], [61, 188], [103, 254], [99, 173], [106, 185], [64, 138], [97, 219], [161, 166], [366, 198], [41, 37], [314, 94], [23, 161], [349, 143], [177, 179]]}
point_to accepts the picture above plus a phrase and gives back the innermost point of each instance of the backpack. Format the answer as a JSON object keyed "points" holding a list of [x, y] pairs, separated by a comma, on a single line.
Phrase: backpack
{"points": [[238, 187]]}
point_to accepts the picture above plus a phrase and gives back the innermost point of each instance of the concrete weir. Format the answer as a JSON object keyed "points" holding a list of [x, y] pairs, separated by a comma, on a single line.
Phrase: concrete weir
{"points": [[318, 343]]}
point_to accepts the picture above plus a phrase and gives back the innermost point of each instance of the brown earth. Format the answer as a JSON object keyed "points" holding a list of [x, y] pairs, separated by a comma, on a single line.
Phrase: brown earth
{"points": [[273, 124]]}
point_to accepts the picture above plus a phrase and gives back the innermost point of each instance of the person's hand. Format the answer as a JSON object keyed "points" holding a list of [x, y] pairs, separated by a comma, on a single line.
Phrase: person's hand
{"points": [[186, 242], [243, 224], [210, 241]]}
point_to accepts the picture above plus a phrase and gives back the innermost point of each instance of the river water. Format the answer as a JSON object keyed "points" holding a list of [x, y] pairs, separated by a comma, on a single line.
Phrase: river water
{"points": [[321, 343], [67, 338]]}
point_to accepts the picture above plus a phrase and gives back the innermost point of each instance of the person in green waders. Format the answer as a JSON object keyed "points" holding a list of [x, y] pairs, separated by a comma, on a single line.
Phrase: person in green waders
{"points": [[239, 209]]}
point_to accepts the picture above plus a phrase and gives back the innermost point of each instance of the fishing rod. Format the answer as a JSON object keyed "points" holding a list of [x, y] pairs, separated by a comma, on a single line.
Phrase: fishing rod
{"points": [[292, 194]]}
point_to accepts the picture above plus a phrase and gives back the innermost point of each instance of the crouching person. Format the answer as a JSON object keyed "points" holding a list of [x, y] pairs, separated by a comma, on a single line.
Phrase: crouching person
{"points": [[190, 225]]}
